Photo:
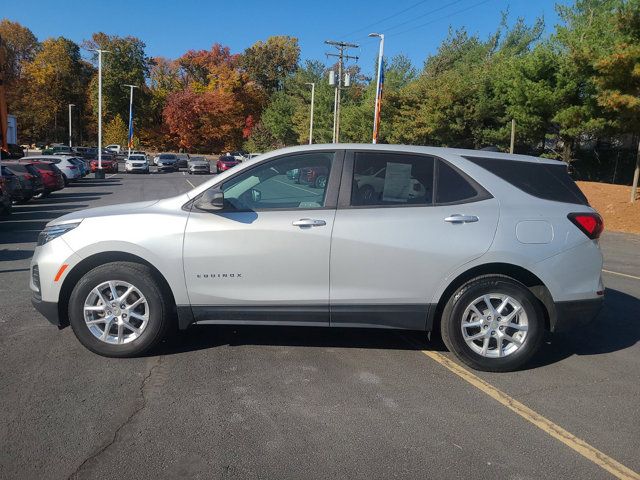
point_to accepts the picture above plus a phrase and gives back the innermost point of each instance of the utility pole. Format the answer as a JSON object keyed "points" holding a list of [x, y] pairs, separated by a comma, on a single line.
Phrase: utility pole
{"points": [[70, 106], [513, 135], [130, 138], [341, 46], [313, 94]]}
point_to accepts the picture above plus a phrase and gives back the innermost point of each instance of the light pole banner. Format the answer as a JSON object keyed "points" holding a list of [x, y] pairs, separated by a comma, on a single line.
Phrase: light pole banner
{"points": [[376, 126]]}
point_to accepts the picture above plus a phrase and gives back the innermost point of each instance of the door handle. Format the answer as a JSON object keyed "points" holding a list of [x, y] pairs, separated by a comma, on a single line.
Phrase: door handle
{"points": [[459, 218], [309, 222]]}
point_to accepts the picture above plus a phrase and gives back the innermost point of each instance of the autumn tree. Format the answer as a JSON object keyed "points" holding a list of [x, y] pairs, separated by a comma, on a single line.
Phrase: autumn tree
{"points": [[617, 77], [116, 131], [270, 63], [56, 77]]}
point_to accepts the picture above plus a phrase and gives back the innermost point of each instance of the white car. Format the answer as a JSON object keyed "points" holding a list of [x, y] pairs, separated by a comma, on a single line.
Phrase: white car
{"points": [[114, 148], [500, 248], [371, 186], [70, 171], [136, 163]]}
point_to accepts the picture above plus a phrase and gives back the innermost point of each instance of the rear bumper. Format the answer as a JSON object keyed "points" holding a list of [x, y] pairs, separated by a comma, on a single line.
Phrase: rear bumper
{"points": [[575, 313], [48, 309]]}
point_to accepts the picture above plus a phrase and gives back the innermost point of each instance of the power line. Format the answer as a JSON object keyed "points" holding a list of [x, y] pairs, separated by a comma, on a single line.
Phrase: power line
{"points": [[366, 27], [341, 46], [430, 12], [441, 18]]}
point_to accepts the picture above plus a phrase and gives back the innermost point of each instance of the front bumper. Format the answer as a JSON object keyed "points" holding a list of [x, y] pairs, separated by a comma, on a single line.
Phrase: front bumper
{"points": [[575, 313], [48, 309]]}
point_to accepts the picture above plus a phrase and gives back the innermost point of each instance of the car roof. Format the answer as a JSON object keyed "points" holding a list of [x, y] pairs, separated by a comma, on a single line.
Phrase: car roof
{"points": [[437, 151]]}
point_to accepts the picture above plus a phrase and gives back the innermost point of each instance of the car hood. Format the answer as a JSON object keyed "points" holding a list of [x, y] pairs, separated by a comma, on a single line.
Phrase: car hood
{"points": [[108, 211], [198, 162]]}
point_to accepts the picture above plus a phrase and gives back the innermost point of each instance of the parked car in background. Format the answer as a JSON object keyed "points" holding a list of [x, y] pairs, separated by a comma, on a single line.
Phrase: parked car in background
{"points": [[51, 175], [315, 176], [14, 186], [167, 162], [114, 148], [15, 152], [225, 162], [371, 185], [164, 156], [182, 160], [109, 164], [136, 163], [5, 197], [239, 155], [82, 165], [250, 156], [198, 165], [70, 171], [58, 148], [30, 184]]}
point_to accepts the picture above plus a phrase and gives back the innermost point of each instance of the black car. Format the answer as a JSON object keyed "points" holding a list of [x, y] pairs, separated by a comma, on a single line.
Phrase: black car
{"points": [[5, 197], [30, 179], [182, 160], [13, 185], [15, 152]]}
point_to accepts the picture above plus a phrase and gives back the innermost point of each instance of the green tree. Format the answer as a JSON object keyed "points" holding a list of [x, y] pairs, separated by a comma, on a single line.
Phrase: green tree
{"points": [[116, 131], [125, 64], [269, 63]]}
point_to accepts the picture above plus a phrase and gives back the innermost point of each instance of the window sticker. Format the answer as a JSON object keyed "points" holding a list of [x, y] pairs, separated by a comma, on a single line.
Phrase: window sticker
{"points": [[397, 182]]}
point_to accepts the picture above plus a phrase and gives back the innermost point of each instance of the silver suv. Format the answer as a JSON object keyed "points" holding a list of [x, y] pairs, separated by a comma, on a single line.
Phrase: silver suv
{"points": [[491, 249]]}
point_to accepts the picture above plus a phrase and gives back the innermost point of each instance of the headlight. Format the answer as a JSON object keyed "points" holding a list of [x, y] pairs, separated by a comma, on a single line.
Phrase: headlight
{"points": [[54, 231]]}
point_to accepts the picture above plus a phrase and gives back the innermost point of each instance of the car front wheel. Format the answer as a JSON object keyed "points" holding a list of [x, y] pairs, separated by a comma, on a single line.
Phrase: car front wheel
{"points": [[119, 310], [493, 323]]}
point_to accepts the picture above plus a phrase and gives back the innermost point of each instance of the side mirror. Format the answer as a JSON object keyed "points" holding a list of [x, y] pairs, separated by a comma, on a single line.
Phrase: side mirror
{"points": [[256, 195], [211, 200]]}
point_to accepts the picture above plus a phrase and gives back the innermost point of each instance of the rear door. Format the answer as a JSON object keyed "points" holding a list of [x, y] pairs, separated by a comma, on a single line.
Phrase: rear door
{"points": [[394, 241]]}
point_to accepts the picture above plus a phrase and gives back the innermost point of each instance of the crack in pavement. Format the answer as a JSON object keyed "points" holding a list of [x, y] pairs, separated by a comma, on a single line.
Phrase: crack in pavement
{"points": [[113, 440]]}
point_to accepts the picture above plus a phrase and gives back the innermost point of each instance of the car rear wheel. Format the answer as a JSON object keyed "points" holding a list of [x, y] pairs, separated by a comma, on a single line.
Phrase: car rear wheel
{"points": [[321, 181], [493, 323], [66, 180], [119, 310]]}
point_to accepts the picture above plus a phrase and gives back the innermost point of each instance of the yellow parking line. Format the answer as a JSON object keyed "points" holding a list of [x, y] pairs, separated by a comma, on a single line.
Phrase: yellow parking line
{"points": [[583, 448], [190, 183], [621, 274]]}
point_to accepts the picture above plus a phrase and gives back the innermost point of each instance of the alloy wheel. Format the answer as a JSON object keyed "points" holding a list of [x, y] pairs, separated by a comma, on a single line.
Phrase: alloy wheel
{"points": [[494, 325], [116, 312]]}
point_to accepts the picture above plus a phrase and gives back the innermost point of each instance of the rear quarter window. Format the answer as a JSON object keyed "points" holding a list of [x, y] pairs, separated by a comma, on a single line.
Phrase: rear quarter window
{"points": [[541, 180]]}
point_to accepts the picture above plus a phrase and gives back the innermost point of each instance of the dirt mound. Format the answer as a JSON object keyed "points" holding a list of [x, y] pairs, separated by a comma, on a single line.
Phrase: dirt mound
{"points": [[612, 202]]}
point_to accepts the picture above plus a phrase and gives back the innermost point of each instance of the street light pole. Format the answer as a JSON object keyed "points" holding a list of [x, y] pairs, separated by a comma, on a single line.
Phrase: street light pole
{"points": [[99, 171], [378, 104], [130, 138], [313, 92], [70, 105]]}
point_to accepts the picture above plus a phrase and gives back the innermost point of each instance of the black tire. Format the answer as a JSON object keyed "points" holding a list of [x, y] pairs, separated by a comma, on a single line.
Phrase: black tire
{"points": [[160, 309], [321, 181], [367, 194], [452, 318], [66, 180]]}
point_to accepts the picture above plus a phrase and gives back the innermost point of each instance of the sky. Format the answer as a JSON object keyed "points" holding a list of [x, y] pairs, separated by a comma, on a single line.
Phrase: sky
{"points": [[412, 27]]}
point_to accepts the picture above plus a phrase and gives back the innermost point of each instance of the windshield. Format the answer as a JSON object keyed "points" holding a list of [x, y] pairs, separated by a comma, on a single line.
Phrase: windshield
{"points": [[167, 156]]}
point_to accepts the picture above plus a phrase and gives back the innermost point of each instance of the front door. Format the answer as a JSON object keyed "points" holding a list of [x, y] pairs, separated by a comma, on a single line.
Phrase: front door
{"points": [[396, 236], [265, 256]]}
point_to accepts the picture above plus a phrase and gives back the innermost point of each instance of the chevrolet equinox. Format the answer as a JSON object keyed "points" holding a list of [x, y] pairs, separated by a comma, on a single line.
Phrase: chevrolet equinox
{"points": [[490, 249]]}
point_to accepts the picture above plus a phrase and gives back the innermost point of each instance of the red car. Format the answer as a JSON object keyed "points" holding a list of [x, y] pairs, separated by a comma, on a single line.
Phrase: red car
{"points": [[52, 178], [225, 163], [109, 165], [314, 176]]}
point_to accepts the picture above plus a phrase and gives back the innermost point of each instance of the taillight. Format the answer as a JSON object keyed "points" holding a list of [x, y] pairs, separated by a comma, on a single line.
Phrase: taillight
{"points": [[591, 224], [28, 176]]}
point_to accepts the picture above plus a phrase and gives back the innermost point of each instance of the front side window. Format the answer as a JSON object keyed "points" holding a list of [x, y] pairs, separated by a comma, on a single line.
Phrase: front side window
{"points": [[392, 179], [291, 182]]}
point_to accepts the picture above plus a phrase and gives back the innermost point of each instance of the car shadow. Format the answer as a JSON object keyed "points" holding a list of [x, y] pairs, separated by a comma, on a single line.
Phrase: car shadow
{"points": [[616, 328]]}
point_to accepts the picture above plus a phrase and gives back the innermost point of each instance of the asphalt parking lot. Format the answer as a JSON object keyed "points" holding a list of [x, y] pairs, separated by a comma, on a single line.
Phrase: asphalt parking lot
{"points": [[260, 402]]}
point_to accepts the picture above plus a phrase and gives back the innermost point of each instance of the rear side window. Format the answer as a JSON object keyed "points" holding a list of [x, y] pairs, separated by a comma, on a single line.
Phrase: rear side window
{"points": [[453, 187], [542, 180], [392, 179]]}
